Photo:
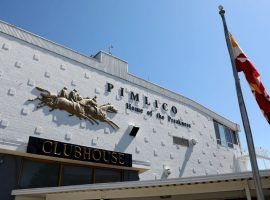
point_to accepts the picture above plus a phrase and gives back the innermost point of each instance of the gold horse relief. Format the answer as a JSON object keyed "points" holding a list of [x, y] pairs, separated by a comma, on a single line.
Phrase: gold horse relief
{"points": [[75, 105]]}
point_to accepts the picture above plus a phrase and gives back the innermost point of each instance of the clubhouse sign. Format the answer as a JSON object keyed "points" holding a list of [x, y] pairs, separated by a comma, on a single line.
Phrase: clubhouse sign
{"points": [[58, 149]]}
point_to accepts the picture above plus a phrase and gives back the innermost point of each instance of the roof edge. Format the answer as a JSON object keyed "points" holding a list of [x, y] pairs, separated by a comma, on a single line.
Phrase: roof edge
{"points": [[134, 184]]}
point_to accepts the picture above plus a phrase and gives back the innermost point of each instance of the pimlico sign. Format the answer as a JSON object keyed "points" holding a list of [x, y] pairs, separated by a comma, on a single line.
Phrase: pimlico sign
{"points": [[171, 118]]}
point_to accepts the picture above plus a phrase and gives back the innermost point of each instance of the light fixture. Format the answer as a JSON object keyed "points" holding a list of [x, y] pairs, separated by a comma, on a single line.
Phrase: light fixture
{"points": [[166, 171], [134, 130], [193, 142]]}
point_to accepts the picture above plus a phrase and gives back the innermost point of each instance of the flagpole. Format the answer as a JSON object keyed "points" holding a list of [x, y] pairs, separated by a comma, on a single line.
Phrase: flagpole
{"points": [[245, 120]]}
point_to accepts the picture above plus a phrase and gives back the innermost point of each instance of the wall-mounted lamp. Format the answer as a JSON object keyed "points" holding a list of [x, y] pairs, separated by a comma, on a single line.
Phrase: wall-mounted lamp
{"points": [[166, 171], [193, 142]]}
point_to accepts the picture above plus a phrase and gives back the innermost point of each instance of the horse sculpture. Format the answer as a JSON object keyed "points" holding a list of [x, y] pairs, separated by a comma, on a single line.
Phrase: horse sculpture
{"points": [[100, 114], [83, 108]]}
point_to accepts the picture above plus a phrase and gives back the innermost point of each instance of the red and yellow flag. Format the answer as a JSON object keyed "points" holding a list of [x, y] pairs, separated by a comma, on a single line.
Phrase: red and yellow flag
{"points": [[253, 78]]}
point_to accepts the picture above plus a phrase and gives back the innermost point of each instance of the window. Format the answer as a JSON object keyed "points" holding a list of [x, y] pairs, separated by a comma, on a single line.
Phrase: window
{"points": [[217, 133], [222, 134], [235, 138], [225, 136], [39, 174], [229, 137], [180, 141], [107, 175], [9, 170], [35, 173], [130, 175], [74, 175]]}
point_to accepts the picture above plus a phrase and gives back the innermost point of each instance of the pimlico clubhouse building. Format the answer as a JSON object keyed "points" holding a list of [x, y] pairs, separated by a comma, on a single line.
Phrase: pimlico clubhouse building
{"points": [[79, 127]]}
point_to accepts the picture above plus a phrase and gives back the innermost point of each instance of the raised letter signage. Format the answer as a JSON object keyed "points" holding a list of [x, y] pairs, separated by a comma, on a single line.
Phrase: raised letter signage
{"points": [[58, 149]]}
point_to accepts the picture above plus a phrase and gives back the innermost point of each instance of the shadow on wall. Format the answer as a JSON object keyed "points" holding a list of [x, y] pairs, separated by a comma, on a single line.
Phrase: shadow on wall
{"points": [[124, 141], [236, 164], [187, 157]]}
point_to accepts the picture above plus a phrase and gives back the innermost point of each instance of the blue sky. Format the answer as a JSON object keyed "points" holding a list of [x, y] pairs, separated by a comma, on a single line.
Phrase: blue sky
{"points": [[176, 44]]}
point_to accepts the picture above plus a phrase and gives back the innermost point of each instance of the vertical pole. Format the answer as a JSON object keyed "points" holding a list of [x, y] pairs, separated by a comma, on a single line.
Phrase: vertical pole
{"points": [[243, 111], [247, 190]]}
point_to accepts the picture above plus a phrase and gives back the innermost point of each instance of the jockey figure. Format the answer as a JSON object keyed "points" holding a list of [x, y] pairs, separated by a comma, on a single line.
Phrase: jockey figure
{"points": [[93, 102], [73, 95], [78, 97], [63, 93]]}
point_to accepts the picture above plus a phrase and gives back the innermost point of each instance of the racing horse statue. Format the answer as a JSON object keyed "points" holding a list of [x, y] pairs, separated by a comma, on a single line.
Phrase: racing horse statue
{"points": [[83, 108], [100, 113]]}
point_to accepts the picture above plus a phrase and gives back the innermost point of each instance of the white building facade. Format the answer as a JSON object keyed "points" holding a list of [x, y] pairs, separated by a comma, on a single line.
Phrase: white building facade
{"points": [[157, 134]]}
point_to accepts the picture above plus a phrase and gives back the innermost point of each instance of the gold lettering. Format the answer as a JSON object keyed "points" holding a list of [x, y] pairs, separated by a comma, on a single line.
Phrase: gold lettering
{"points": [[65, 151], [114, 157], [55, 149], [86, 151], [121, 159], [77, 152], [48, 148], [99, 155], [104, 156]]}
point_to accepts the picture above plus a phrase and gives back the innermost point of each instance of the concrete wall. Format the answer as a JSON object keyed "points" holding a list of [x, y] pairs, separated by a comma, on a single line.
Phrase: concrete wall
{"points": [[24, 66]]}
